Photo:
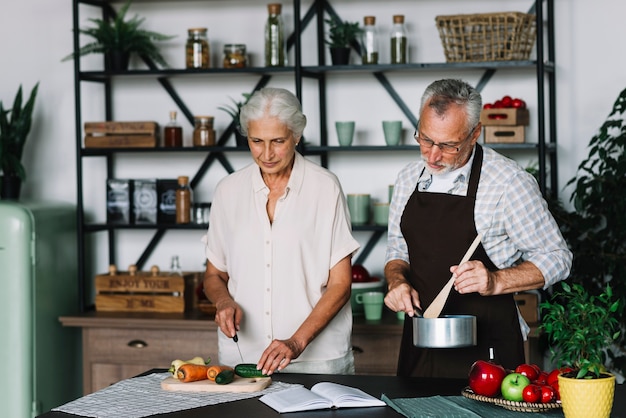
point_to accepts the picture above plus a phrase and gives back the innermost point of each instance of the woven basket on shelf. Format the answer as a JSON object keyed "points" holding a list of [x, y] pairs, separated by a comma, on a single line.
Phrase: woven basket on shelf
{"points": [[487, 37]]}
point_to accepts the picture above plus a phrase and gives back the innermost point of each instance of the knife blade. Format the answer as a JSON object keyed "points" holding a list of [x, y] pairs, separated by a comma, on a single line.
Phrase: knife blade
{"points": [[236, 340]]}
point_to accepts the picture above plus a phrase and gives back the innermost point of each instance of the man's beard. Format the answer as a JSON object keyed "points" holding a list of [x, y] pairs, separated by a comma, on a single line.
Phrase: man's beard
{"points": [[446, 168]]}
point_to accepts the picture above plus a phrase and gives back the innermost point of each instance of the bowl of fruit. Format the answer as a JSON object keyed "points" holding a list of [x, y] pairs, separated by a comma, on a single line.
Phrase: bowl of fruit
{"points": [[525, 389]]}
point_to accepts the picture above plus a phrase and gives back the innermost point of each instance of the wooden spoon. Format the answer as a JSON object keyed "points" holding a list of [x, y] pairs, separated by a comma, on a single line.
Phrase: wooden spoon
{"points": [[436, 306]]}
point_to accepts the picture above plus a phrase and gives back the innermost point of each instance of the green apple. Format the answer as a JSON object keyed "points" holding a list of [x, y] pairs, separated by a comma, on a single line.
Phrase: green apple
{"points": [[513, 385]]}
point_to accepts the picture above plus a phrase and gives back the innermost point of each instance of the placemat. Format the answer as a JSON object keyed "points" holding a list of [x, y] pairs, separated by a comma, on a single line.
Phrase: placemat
{"points": [[142, 396], [457, 407]]}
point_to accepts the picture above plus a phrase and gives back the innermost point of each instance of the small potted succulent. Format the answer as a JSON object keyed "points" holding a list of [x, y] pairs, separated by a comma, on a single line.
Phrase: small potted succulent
{"points": [[233, 110], [118, 38], [580, 327], [342, 36], [15, 124]]}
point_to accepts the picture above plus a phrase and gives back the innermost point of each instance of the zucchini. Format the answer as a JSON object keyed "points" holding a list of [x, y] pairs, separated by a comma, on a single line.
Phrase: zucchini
{"points": [[225, 377], [248, 370]]}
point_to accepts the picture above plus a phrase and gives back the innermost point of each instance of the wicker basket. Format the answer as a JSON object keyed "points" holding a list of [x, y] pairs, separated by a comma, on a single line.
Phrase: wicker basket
{"points": [[487, 37]]}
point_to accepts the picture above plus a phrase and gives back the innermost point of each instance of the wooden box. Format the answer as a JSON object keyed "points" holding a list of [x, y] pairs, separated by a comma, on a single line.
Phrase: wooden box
{"points": [[137, 291], [110, 134], [528, 305], [504, 117], [504, 134]]}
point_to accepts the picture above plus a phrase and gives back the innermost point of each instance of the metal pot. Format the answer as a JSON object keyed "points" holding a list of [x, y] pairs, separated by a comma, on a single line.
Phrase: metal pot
{"points": [[446, 331]]}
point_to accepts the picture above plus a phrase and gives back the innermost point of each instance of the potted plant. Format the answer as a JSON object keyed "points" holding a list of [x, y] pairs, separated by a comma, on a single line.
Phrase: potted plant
{"points": [[15, 124], [233, 110], [341, 37], [119, 38], [580, 326]]}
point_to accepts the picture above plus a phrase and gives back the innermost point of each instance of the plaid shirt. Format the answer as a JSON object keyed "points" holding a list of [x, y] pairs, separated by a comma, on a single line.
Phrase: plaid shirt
{"points": [[510, 212]]}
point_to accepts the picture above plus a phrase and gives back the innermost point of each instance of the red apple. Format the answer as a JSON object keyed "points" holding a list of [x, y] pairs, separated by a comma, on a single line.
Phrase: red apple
{"points": [[528, 371], [360, 274], [485, 378], [553, 376], [513, 385], [518, 103], [542, 379], [507, 101], [532, 393], [557, 391], [487, 106], [547, 394]]}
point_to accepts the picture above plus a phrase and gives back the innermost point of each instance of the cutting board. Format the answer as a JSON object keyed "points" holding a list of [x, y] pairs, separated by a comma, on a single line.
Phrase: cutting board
{"points": [[239, 384]]}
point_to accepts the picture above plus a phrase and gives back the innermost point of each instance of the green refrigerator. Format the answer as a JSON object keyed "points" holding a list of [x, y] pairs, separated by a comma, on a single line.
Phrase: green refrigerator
{"points": [[38, 282]]}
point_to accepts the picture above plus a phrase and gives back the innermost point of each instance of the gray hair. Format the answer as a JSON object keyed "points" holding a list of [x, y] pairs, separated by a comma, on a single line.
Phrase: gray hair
{"points": [[274, 102], [440, 94]]}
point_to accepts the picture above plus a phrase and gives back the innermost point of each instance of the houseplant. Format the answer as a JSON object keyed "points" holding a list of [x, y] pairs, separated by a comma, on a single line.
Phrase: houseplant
{"points": [[341, 37], [119, 38], [233, 110], [580, 326], [15, 124]]}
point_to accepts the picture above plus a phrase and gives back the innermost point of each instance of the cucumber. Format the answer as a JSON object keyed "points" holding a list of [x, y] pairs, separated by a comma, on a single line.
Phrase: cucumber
{"points": [[225, 377], [248, 370]]}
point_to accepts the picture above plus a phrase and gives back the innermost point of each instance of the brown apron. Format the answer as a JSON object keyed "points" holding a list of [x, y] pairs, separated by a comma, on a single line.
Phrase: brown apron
{"points": [[438, 229]]}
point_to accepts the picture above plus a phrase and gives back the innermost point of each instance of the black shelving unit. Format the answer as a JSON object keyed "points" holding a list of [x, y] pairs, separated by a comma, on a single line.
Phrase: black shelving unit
{"points": [[545, 147]]}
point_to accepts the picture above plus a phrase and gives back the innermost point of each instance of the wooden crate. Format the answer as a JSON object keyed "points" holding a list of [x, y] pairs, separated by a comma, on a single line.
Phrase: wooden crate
{"points": [[504, 117], [528, 305], [113, 134], [145, 292], [504, 134]]}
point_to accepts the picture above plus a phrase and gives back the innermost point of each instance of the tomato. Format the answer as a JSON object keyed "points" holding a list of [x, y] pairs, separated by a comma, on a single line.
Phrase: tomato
{"points": [[507, 101], [528, 371], [498, 104], [488, 106], [532, 393], [547, 394], [518, 103], [542, 379]]}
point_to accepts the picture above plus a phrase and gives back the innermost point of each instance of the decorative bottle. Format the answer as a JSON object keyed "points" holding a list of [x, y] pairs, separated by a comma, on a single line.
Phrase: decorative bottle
{"points": [[369, 44], [175, 269], [173, 132], [399, 44], [183, 201], [275, 53]]}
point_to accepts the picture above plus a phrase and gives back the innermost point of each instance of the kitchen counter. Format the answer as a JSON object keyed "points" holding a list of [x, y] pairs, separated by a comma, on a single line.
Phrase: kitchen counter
{"points": [[392, 386]]}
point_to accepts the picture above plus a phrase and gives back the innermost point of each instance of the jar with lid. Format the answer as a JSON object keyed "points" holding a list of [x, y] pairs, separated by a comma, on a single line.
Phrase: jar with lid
{"points": [[369, 44], [398, 41], [197, 49], [203, 132], [235, 56]]}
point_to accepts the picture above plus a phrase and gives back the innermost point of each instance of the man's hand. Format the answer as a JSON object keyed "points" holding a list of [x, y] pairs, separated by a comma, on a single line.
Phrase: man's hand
{"points": [[401, 296]]}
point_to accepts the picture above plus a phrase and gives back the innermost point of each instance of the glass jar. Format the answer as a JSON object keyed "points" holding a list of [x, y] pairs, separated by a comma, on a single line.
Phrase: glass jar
{"points": [[369, 44], [235, 56], [275, 52], [197, 48], [203, 132], [398, 41]]}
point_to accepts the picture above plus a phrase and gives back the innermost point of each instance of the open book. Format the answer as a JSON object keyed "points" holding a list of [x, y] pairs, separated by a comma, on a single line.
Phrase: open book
{"points": [[322, 395]]}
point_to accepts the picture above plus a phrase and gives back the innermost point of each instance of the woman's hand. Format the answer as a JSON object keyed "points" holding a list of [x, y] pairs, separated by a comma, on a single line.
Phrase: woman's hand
{"points": [[228, 316], [279, 354]]}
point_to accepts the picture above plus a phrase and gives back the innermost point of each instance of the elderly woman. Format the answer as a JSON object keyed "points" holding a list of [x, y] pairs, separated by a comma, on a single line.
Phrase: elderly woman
{"points": [[279, 250]]}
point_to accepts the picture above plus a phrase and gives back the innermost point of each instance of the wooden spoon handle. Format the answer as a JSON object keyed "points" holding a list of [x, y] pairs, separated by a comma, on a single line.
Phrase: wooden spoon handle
{"points": [[435, 308]]}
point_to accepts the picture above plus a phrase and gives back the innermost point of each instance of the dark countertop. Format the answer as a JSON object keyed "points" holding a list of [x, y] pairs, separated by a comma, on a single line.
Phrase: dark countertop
{"points": [[392, 386]]}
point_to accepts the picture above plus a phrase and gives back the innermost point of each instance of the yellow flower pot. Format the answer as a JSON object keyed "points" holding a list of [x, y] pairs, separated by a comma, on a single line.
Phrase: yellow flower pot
{"points": [[584, 398]]}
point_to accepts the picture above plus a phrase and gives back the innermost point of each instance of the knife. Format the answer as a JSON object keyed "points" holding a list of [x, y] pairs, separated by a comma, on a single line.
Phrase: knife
{"points": [[236, 340]]}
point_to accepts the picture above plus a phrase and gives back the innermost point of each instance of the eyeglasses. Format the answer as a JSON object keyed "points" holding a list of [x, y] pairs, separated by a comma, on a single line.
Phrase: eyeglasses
{"points": [[445, 148]]}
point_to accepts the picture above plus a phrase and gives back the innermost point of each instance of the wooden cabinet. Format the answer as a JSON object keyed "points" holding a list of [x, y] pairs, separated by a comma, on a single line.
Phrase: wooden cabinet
{"points": [[117, 347], [376, 345]]}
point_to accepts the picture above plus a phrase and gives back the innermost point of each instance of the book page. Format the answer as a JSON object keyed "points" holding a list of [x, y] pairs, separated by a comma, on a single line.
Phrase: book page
{"points": [[295, 399], [345, 396]]}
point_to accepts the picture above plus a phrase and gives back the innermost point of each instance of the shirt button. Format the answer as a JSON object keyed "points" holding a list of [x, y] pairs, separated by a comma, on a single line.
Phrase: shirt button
{"points": [[268, 289], [267, 313], [267, 265]]}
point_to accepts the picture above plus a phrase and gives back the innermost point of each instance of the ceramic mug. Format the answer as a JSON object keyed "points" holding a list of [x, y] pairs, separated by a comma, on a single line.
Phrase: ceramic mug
{"points": [[345, 132], [359, 208], [393, 132], [372, 304], [381, 213]]}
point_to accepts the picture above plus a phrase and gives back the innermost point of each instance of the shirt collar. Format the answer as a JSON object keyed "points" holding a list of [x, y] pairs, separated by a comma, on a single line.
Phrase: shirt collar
{"points": [[296, 177]]}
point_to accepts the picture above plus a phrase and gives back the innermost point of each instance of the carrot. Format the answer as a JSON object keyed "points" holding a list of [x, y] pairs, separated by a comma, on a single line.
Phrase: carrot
{"points": [[213, 371], [192, 372]]}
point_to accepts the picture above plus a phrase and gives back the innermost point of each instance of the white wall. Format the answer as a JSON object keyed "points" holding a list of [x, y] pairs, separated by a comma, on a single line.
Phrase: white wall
{"points": [[36, 34]]}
